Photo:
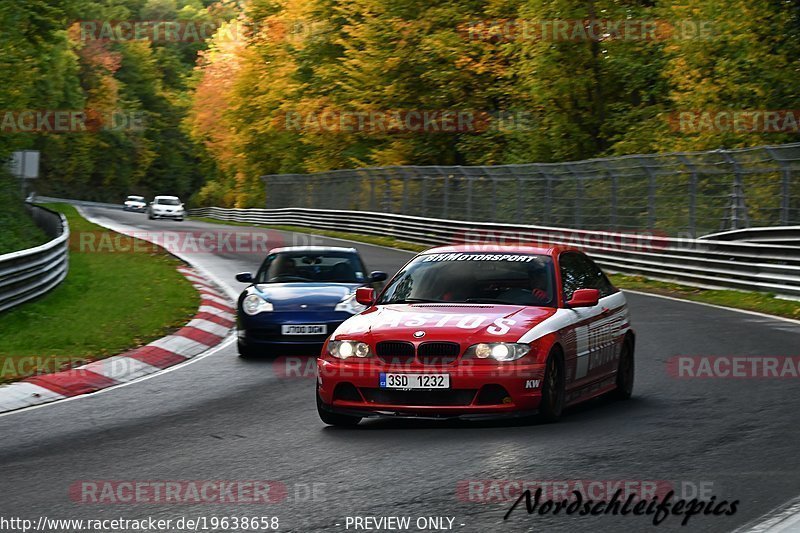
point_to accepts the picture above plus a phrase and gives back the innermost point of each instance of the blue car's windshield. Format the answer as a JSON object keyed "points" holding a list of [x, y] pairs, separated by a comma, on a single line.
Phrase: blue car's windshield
{"points": [[311, 267]]}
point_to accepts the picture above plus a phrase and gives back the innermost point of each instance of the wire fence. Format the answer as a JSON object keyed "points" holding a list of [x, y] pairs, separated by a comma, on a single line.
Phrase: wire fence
{"points": [[685, 194]]}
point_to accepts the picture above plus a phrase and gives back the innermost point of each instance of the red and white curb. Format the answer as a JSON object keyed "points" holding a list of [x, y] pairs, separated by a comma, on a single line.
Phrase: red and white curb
{"points": [[209, 327]]}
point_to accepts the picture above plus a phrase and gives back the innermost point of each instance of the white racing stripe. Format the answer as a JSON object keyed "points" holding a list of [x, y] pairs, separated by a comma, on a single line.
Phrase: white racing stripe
{"points": [[563, 318]]}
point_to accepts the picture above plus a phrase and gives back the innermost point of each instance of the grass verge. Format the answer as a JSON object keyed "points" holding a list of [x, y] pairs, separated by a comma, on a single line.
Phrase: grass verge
{"points": [[17, 229], [751, 301], [110, 302]]}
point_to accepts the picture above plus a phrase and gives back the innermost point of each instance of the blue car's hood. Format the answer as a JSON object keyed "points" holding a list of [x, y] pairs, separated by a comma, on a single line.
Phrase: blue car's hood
{"points": [[314, 296]]}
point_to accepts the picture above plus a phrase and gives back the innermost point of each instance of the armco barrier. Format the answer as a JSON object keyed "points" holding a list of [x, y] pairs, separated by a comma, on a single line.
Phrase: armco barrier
{"points": [[783, 235], [30, 273], [773, 268]]}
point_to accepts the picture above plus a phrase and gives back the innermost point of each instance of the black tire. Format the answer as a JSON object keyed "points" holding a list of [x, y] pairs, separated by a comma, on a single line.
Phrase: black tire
{"points": [[553, 389], [150, 216], [625, 372], [335, 419]]}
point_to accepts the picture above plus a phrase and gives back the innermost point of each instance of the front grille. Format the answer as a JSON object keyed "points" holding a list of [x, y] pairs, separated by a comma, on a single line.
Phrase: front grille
{"points": [[438, 353], [395, 352], [449, 397]]}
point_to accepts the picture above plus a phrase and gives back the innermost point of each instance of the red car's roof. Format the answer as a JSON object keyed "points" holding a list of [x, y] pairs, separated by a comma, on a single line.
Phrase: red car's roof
{"points": [[498, 248]]}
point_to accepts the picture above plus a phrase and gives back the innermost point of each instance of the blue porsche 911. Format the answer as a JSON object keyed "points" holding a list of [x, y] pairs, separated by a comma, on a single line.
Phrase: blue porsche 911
{"points": [[299, 296]]}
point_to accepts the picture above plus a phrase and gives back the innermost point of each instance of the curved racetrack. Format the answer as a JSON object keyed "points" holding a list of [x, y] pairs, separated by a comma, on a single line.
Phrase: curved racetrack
{"points": [[225, 418]]}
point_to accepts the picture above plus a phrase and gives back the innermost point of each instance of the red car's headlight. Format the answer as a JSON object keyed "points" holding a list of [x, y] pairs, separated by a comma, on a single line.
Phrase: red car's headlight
{"points": [[499, 351], [347, 349]]}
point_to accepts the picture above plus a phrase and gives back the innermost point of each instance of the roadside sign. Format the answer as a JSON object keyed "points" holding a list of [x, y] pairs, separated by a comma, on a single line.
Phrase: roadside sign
{"points": [[25, 164]]}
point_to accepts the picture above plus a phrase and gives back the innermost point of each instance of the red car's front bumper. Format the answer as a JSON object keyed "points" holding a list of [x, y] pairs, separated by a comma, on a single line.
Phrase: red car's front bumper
{"points": [[476, 390]]}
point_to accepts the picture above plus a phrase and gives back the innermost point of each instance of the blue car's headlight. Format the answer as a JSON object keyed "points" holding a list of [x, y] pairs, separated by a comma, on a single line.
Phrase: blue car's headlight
{"points": [[350, 305], [254, 304]]}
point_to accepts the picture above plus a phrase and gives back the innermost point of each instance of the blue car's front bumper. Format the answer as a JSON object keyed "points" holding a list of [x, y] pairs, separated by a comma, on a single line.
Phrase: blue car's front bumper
{"points": [[264, 330]]}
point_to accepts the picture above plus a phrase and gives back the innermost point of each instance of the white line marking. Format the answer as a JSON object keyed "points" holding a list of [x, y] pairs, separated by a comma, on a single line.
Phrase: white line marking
{"points": [[744, 311], [782, 519]]}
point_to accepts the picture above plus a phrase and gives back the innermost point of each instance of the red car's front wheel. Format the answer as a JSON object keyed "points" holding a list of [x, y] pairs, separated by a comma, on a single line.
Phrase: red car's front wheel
{"points": [[552, 403]]}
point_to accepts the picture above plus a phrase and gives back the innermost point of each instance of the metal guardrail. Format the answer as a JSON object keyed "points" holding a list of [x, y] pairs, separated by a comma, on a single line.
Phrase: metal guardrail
{"points": [[681, 194], [51, 199], [30, 273], [697, 262], [784, 235]]}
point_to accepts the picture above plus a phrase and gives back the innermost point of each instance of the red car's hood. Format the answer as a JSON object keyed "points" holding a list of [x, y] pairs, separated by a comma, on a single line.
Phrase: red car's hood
{"points": [[464, 323]]}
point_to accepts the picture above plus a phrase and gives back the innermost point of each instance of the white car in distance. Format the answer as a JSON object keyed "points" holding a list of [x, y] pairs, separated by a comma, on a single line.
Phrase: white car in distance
{"points": [[166, 207], [135, 203]]}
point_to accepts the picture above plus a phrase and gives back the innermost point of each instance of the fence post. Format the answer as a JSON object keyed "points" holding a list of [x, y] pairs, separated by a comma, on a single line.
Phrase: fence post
{"points": [[613, 219], [446, 194], [494, 199], [387, 194], [405, 192], [786, 177], [547, 218], [469, 197], [786, 196], [424, 186], [371, 179], [739, 217], [578, 206]]}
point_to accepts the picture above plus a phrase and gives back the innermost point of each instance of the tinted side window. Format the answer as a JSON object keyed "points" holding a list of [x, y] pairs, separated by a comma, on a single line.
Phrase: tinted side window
{"points": [[580, 272]]}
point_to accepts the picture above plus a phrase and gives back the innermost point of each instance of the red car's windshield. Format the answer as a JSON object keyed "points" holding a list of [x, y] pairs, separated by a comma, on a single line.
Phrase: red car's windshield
{"points": [[500, 278]]}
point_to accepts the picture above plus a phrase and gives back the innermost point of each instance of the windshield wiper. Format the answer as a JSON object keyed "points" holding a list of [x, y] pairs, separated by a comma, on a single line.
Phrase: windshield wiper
{"points": [[419, 301]]}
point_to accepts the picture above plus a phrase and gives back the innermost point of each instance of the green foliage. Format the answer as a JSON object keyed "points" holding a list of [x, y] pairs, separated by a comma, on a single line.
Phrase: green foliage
{"points": [[18, 229], [218, 112]]}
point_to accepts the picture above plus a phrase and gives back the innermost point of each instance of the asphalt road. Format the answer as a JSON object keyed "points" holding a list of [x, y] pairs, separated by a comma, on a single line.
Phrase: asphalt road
{"points": [[225, 418]]}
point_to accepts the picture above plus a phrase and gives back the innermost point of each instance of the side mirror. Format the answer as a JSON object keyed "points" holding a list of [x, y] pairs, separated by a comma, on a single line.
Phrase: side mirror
{"points": [[244, 277], [584, 298], [377, 276], [365, 295]]}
